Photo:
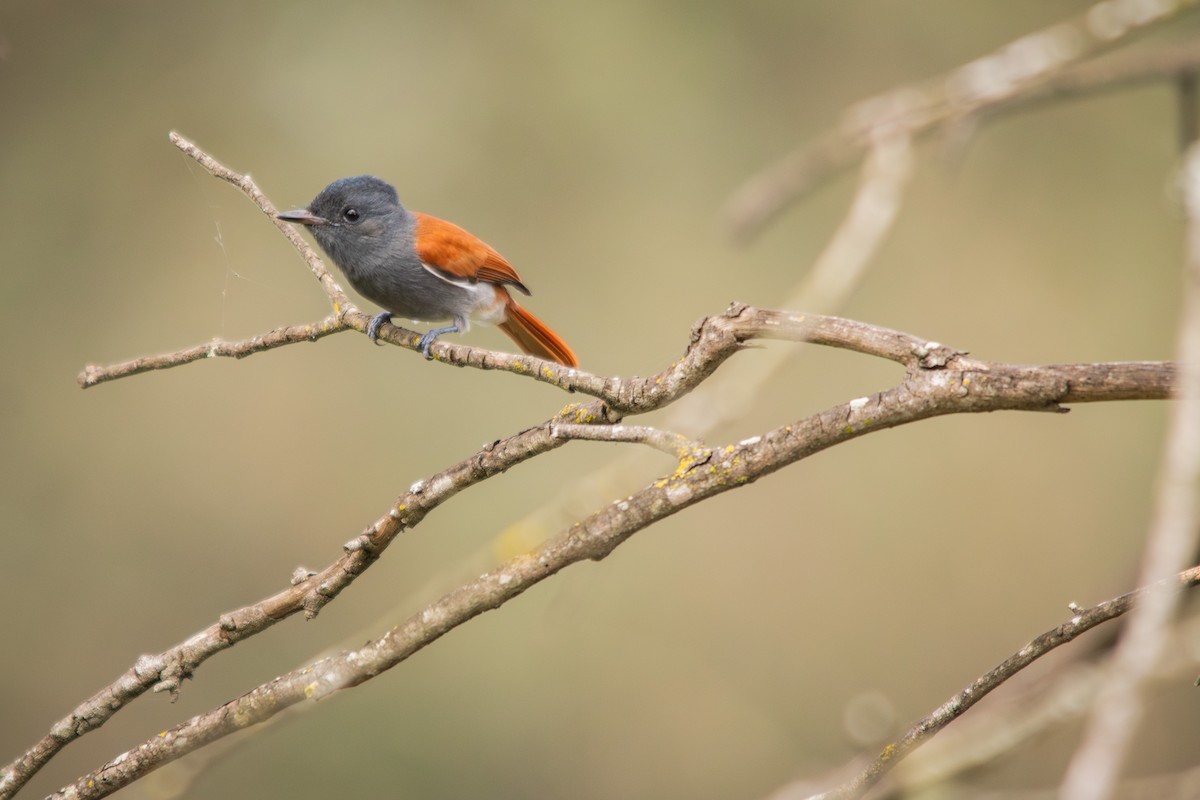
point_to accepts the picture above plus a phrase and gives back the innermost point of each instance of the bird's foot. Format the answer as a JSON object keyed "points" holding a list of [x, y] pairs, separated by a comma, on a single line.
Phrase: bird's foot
{"points": [[430, 336], [426, 343], [375, 324]]}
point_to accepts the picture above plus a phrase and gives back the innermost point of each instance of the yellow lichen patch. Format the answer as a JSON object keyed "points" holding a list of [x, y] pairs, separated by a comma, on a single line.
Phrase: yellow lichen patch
{"points": [[578, 413], [310, 691]]}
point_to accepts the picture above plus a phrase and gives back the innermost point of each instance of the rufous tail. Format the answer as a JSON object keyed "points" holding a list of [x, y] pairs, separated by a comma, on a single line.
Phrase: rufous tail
{"points": [[535, 337]]}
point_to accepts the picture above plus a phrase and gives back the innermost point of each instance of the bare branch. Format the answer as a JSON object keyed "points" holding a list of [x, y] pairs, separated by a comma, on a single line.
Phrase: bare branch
{"points": [[1055, 698], [939, 381], [956, 706], [959, 384]]}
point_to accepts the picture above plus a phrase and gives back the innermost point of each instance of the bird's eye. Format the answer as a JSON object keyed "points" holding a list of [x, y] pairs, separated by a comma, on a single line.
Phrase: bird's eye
{"points": [[350, 215]]}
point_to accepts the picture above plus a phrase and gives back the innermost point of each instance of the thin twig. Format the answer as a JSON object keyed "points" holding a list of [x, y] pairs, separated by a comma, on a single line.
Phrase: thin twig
{"points": [[337, 297], [1056, 698], [217, 348], [1081, 622], [669, 442]]}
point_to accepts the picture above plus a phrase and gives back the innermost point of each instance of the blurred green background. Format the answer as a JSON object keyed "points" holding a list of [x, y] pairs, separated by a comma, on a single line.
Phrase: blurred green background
{"points": [[716, 654]]}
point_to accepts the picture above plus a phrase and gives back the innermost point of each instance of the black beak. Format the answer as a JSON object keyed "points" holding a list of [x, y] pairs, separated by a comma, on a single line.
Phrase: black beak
{"points": [[303, 216]]}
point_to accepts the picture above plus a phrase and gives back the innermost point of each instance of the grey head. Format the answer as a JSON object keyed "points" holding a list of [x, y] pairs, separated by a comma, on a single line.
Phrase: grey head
{"points": [[356, 221]]}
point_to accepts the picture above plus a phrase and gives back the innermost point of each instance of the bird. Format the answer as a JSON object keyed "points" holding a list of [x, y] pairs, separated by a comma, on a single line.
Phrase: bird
{"points": [[419, 267]]}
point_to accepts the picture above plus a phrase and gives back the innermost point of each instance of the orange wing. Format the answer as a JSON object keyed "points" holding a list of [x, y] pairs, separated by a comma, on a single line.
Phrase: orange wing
{"points": [[460, 255]]}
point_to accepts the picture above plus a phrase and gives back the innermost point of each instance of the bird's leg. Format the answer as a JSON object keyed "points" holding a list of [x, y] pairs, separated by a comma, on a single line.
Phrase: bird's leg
{"points": [[376, 323], [427, 340]]}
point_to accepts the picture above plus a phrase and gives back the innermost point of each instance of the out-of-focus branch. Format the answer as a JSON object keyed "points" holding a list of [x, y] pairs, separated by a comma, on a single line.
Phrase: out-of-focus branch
{"points": [[1174, 530], [1005, 77], [1157, 63], [885, 177]]}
